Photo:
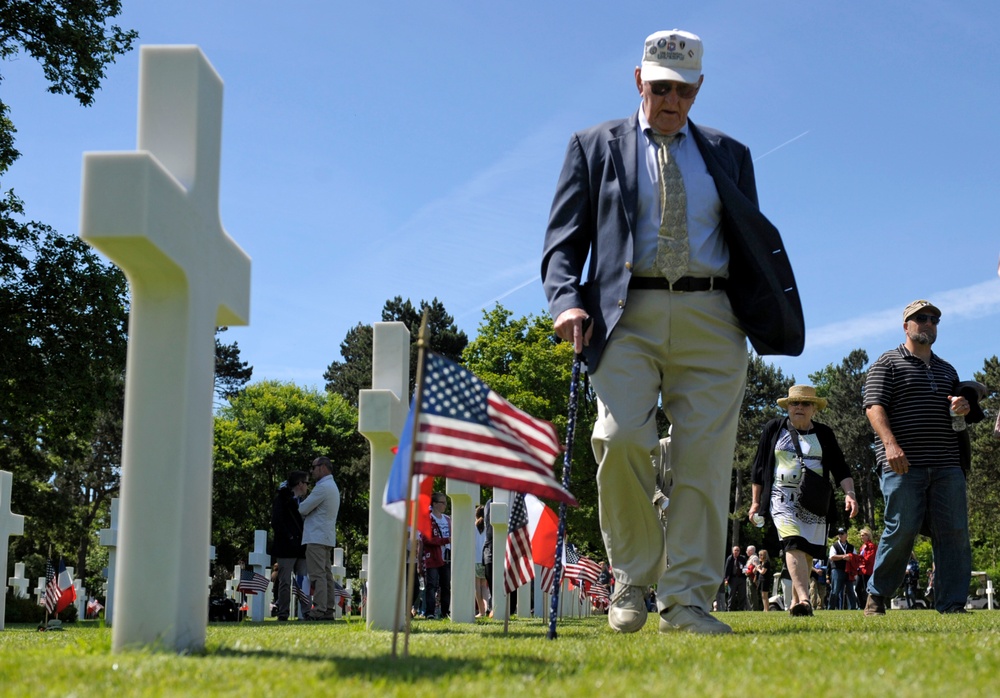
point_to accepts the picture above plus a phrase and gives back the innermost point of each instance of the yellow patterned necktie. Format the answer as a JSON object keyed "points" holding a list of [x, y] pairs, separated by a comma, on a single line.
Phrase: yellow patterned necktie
{"points": [[672, 249]]}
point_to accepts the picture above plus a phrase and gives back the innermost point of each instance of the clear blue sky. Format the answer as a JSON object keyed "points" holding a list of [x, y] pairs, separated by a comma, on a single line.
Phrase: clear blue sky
{"points": [[395, 148]]}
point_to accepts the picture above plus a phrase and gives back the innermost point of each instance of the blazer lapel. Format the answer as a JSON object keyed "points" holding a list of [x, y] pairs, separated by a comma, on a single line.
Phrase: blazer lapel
{"points": [[622, 147]]}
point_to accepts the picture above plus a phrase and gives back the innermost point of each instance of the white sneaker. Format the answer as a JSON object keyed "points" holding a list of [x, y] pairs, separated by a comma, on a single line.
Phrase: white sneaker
{"points": [[693, 620], [627, 612]]}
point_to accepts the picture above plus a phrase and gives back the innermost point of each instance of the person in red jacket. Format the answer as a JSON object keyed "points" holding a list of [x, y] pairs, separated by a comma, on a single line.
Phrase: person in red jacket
{"points": [[437, 559], [867, 553]]}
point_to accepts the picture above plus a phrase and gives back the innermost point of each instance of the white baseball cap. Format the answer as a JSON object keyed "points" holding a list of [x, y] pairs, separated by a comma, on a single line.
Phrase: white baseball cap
{"points": [[671, 55]]}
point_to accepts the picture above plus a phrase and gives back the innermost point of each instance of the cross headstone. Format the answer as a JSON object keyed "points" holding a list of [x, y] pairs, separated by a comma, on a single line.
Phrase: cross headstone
{"points": [[540, 596], [19, 583], [381, 414], [108, 537], [499, 517], [338, 571], [260, 561], [464, 496], [155, 214], [363, 577], [10, 525], [40, 591]]}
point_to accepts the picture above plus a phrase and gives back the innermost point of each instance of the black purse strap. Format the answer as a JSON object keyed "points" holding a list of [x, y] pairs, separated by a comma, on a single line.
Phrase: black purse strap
{"points": [[795, 443]]}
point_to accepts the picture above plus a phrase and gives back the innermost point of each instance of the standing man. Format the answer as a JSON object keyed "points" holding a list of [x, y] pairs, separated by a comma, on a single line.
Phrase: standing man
{"points": [[683, 267], [287, 549], [319, 511], [911, 395], [840, 555], [735, 577]]}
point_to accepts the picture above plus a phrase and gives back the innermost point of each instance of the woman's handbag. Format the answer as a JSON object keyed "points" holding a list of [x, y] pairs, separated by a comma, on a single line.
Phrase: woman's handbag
{"points": [[815, 491]]}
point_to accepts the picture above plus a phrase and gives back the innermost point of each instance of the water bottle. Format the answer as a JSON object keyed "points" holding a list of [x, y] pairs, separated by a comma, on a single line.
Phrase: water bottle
{"points": [[758, 520], [957, 421]]}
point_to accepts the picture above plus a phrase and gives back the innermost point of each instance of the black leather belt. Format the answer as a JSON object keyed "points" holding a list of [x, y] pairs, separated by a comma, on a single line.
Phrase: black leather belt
{"points": [[687, 284]]}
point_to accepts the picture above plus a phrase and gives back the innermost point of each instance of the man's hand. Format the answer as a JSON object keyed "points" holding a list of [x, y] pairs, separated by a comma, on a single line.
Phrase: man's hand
{"points": [[896, 458], [569, 326], [959, 405]]}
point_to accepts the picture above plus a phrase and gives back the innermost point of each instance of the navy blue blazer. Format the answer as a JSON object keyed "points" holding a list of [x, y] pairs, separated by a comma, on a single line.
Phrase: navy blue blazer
{"points": [[594, 214]]}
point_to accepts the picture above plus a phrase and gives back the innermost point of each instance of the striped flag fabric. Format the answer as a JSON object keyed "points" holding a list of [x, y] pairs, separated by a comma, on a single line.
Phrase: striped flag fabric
{"points": [[600, 595], [467, 432], [518, 566], [52, 590], [300, 588], [580, 567], [548, 580], [252, 582]]}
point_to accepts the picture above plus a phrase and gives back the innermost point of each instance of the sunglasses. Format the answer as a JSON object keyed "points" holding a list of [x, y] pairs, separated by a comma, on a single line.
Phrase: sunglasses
{"points": [[921, 318], [683, 89], [799, 403]]}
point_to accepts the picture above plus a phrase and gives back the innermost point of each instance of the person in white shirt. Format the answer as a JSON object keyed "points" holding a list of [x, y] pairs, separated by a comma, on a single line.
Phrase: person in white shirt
{"points": [[319, 534]]}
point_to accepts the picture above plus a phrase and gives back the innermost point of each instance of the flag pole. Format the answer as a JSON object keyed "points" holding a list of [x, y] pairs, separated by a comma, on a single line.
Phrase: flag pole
{"points": [[574, 385], [408, 580]]}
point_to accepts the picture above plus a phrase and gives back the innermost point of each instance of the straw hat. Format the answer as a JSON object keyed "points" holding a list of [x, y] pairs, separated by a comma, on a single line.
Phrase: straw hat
{"points": [[802, 393]]}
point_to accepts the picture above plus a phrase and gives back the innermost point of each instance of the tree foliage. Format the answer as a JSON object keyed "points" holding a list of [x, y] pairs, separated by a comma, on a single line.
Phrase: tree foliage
{"points": [[519, 359], [354, 373], [984, 495], [231, 374], [267, 430]]}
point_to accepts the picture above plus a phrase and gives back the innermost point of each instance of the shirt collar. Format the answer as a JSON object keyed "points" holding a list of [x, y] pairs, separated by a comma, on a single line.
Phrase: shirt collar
{"points": [[647, 130]]}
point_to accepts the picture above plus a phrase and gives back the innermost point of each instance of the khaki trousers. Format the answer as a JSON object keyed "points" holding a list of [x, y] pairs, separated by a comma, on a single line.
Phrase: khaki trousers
{"points": [[318, 561], [686, 351]]}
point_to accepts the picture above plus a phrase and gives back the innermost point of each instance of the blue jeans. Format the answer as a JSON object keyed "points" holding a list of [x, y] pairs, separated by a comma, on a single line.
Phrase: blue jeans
{"points": [[838, 590], [939, 493]]}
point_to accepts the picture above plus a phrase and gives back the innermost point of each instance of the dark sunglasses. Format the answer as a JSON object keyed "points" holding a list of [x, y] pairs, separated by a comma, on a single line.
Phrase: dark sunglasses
{"points": [[921, 318], [799, 403], [683, 89]]}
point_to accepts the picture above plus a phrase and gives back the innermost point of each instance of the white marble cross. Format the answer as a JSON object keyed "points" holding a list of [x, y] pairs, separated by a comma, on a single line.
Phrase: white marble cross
{"points": [[40, 591], [363, 578], [10, 525], [155, 213], [464, 496], [381, 415], [499, 518], [19, 583], [260, 561], [338, 571], [108, 537]]}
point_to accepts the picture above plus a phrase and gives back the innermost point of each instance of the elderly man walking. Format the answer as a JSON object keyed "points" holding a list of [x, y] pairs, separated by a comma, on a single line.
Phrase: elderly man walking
{"points": [[319, 513], [658, 265]]}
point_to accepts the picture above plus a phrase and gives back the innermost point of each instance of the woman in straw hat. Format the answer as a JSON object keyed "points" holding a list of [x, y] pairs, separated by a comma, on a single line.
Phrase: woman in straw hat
{"points": [[777, 474]]}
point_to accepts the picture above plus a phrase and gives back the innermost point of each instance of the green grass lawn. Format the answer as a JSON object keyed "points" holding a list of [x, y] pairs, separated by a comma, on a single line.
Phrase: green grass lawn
{"points": [[906, 653]]}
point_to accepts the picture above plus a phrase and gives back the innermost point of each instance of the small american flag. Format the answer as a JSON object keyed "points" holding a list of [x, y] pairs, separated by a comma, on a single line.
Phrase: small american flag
{"points": [[600, 595], [300, 584], [252, 582], [467, 432], [548, 580], [579, 567], [341, 592], [52, 590], [518, 567]]}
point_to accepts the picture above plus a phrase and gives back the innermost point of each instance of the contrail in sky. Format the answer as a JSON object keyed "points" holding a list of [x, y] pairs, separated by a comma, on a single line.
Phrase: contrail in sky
{"points": [[780, 146]]}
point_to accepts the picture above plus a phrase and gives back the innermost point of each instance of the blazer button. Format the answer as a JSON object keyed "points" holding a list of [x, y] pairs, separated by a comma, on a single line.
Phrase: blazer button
{"points": [[621, 303], [628, 265]]}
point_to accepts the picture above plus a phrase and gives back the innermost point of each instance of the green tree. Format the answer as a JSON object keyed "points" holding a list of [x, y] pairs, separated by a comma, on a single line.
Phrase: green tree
{"points": [[520, 360], [267, 430], [354, 373], [231, 374], [62, 318], [843, 386], [984, 495], [765, 384]]}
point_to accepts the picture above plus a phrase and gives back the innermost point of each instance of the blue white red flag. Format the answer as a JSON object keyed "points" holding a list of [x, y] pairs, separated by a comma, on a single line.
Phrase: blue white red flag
{"points": [[467, 432]]}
